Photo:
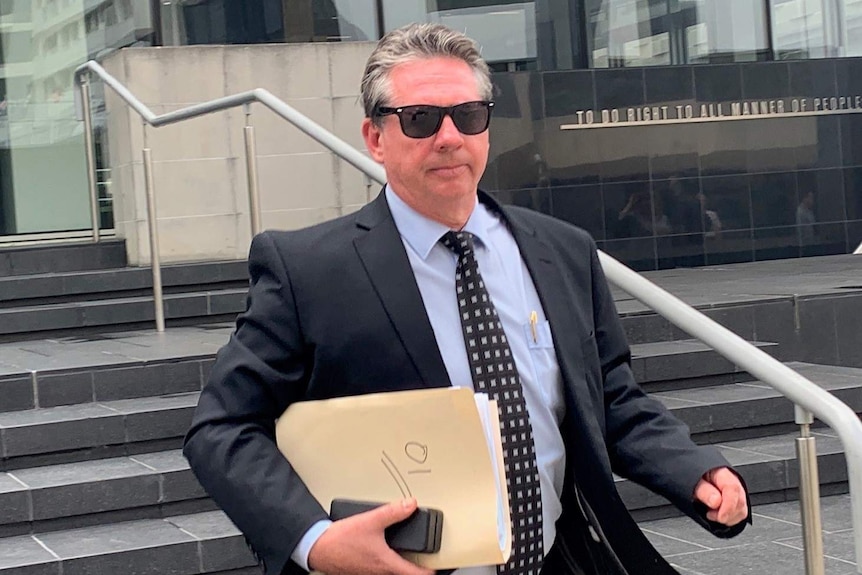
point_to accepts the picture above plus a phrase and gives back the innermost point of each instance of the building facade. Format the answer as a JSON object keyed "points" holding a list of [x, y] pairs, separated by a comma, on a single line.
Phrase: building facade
{"points": [[678, 132]]}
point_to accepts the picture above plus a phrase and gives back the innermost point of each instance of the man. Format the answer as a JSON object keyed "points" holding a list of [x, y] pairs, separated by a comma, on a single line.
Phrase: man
{"points": [[381, 300]]}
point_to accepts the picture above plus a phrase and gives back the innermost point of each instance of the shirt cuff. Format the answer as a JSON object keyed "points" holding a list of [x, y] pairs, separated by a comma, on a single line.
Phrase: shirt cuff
{"points": [[303, 548]]}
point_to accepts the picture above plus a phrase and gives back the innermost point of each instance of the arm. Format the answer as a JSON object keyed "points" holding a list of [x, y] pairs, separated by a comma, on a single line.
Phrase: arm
{"points": [[231, 444], [645, 441]]}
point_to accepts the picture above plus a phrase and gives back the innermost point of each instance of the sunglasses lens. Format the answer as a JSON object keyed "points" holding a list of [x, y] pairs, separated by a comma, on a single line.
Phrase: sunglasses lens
{"points": [[420, 121], [471, 118]]}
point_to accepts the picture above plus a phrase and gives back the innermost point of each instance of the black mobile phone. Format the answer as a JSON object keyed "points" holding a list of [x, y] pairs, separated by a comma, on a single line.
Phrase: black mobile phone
{"points": [[422, 532]]}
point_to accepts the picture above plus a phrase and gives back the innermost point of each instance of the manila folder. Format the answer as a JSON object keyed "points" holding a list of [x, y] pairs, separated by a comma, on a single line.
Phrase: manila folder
{"points": [[429, 444]]}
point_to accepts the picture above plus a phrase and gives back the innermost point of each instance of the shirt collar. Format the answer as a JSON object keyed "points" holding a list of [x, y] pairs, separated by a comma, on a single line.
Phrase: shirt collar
{"points": [[422, 233]]}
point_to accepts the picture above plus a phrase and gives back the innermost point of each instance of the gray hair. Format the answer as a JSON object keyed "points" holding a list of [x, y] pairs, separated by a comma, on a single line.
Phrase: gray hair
{"points": [[415, 42]]}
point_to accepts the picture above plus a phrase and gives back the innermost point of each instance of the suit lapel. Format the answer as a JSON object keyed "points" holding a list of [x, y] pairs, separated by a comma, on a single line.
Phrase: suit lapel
{"points": [[382, 254], [557, 299]]}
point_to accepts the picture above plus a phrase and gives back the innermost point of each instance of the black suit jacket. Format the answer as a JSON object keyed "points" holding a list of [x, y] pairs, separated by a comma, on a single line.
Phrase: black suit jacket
{"points": [[334, 310]]}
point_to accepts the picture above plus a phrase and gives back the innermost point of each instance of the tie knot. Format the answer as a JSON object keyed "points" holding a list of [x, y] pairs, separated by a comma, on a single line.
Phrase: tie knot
{"points": [[459, 242]]}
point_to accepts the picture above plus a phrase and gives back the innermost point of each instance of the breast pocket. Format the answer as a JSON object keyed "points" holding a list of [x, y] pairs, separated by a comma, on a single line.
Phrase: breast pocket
{"points": [[538, 335]]}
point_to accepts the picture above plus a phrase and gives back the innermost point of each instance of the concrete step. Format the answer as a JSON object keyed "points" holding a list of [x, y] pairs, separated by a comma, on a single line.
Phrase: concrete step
{"points": [[71, 495], [769, 467], [753, 409], [215, 305], [668, 365], [73, 256], [87, 431], [183, 545], [107, 367], [772, 546], [60, 286]]}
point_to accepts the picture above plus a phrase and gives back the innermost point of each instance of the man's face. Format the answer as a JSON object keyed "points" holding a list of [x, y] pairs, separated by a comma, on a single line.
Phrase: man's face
{"points": [[437, 174]]}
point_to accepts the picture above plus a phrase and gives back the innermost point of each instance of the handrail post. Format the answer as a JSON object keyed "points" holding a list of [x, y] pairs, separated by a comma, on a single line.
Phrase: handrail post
{"points": [[809, 494], [251, 172], [153, 233], [90, 152]]}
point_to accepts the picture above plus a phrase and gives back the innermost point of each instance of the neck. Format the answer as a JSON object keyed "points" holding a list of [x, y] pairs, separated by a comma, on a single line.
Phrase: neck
{"points": [[451, 212], [455, 216]]}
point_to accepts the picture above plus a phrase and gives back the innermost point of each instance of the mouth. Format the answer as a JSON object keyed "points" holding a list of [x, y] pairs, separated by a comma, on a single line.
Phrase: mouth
{"points": [[449, 171]]}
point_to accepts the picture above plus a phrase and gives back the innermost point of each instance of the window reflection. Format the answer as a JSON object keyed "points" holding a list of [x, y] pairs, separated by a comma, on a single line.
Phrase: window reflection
{"points": [[624, 33], [816, 29], [259, 21], [506, 29]]}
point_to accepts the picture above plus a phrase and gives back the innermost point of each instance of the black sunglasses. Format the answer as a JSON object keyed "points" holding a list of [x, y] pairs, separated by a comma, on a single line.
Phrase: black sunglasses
{"points": [[422, 121]]}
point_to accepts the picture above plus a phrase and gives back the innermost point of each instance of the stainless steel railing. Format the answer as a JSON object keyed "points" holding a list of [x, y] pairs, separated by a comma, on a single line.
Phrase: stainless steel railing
{"points": [[245, 99], [810, 399]]}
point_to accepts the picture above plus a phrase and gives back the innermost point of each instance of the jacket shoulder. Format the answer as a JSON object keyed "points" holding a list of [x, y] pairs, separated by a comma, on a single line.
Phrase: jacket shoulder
{"points": [[548, 226]]}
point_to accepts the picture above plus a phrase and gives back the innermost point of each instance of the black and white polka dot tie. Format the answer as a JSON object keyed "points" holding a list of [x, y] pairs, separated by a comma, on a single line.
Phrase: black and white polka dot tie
{"points": [[494, 373]]}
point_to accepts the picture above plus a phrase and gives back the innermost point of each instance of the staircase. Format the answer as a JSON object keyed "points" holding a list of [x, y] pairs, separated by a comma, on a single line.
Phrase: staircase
{"points": [[92, 289], [94, 405]]}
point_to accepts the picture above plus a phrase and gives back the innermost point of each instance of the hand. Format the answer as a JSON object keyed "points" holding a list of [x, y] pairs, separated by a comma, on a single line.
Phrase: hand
{"points": [[723, 494], [356, 546]]}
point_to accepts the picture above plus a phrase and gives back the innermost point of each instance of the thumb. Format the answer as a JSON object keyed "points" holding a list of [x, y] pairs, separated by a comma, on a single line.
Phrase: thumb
{"points": [[706, 493], [393, 512]]}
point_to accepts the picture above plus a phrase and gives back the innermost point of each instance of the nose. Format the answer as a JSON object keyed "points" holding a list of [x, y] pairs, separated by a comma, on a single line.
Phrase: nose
{"points": [[448, 136]]}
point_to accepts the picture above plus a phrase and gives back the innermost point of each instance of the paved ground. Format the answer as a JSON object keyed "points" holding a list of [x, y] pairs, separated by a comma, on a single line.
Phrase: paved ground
{"points": [[772, 545], [752, 282]]}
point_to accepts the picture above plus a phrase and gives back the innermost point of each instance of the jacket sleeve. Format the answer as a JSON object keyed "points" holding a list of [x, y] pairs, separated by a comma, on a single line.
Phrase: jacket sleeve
{"points": [[231, 444], [646, 443]]}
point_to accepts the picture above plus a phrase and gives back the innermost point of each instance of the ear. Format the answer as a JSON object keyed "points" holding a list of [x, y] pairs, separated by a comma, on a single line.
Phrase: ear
{"points": [[373, 137]]}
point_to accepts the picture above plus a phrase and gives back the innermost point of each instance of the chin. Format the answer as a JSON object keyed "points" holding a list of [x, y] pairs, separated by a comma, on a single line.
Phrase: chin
{"points": [[454, 190]]}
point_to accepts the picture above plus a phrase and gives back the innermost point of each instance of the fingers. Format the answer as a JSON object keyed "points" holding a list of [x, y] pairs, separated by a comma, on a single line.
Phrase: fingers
{"points": [[722, 492], [392, 513], [708, 494], [356, 545]]}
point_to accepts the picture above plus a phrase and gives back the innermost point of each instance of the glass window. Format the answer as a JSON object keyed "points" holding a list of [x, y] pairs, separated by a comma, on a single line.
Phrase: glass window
{"points": [[852, 34], [506, 30], [803, 29], [257, 21], [623, 33], [41, 43]]}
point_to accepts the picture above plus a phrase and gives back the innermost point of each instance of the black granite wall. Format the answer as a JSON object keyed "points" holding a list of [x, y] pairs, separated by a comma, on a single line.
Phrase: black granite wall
{"points": [[700, 193]]}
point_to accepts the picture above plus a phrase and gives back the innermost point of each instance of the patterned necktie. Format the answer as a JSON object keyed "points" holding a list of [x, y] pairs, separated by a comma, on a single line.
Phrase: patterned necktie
{"points": [[494, 373]]}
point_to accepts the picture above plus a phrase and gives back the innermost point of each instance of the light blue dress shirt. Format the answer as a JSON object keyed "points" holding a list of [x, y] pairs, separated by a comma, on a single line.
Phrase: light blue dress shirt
{"points": [[515, 298]]}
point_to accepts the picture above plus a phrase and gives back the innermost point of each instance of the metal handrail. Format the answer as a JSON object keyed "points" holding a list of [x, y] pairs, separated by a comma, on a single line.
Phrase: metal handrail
{"points": [[335, 144], [806, 395]]}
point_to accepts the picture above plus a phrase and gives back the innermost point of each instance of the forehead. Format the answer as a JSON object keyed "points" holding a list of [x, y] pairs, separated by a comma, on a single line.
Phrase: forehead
{"points": [[440, 81]]}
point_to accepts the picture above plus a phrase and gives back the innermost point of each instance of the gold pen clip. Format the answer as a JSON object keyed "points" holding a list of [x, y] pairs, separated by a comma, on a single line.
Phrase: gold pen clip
{"points": [[534, 320]]}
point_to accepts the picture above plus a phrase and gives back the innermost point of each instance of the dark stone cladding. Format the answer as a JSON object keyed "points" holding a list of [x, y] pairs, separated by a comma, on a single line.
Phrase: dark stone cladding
{"points": [[71, 257], [681, 195]]}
